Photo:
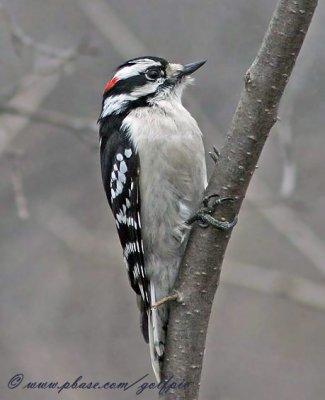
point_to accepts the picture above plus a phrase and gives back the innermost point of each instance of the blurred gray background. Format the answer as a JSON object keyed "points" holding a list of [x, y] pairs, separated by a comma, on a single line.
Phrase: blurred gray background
{"points": [[66, 308]]}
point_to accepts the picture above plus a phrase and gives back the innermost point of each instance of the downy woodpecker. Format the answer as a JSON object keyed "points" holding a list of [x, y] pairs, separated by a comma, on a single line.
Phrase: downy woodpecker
{"points": [[154, 175]]}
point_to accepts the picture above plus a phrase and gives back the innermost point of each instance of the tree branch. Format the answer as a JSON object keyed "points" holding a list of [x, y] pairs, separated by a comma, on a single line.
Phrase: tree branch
{"points": [[255, 115]]}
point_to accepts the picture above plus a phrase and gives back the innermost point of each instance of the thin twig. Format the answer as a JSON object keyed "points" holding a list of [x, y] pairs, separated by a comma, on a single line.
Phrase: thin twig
{"points": [[166, 299], [15, 156]]}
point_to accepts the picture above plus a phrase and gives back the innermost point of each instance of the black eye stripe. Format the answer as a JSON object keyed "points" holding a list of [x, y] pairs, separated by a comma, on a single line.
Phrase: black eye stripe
{"points": [[127, 85]]}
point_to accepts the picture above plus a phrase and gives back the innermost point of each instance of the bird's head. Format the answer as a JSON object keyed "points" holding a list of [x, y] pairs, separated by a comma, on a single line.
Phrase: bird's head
{"points": [[144, 81]]}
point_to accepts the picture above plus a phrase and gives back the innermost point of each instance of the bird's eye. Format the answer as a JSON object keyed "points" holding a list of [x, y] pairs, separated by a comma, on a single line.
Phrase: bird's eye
{"points": [[153, 74]]}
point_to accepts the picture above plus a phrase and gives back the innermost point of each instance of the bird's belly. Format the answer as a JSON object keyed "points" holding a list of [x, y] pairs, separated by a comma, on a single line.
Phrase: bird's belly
{"points": [[169, 196]]}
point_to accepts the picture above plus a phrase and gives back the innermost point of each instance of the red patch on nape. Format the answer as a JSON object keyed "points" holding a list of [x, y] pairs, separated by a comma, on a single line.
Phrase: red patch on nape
{"points": [[110, 84]]}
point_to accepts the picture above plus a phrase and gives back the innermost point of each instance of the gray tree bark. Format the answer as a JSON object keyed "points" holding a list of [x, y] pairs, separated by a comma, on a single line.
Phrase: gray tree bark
{"points": [[255, 115]]}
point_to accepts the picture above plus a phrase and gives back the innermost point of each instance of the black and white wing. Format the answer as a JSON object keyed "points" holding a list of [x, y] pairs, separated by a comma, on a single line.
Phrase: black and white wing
{"points": [[120, 172]]}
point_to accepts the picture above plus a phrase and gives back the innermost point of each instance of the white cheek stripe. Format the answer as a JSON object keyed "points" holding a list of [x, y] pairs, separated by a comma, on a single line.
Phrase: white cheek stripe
{"points": [[146, 89], [116, 104]]}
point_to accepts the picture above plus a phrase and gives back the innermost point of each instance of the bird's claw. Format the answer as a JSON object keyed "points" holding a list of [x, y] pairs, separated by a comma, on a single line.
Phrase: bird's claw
{"points": [[204, 217], [218, 200]]}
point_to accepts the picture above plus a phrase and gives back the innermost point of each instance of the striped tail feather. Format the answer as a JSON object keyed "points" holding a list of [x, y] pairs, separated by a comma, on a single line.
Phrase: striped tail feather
{"points": [[153, 324]]}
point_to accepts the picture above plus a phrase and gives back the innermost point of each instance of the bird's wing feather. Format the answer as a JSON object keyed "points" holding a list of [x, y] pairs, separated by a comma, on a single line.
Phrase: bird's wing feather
{"points": [[120, 172]]}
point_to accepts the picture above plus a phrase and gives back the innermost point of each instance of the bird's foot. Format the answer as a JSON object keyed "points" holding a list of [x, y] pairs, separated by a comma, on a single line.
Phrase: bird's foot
{"points": [[215, 154], [172, 297], [203, 215]]}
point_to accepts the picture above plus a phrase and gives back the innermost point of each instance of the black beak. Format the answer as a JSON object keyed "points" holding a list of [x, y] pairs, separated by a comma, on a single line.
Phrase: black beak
{"points": [[188, 69]]}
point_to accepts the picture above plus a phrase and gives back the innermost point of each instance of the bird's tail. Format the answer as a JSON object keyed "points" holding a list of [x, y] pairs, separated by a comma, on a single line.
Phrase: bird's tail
{"points": [[153, 325]]}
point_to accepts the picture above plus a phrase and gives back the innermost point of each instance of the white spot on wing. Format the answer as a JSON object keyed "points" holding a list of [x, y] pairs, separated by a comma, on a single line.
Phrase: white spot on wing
{"points": [[121, 177], [123, 167], [128, 153], [113, 177], [119, 188]]}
